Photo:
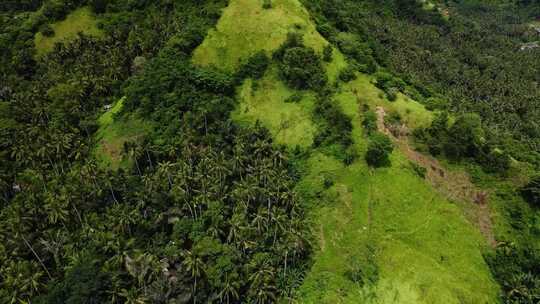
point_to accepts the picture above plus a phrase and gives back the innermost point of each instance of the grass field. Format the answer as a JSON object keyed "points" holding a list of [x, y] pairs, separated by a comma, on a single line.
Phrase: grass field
{"points": [[386, 226], [423, 247], [112, 135], [246, 28], [362, 90], [290, 123], [81, 20]]}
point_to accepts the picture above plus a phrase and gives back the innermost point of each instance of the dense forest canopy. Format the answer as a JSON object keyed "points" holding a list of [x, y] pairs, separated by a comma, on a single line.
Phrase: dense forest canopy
{"points": [[468, 52], [203, 209]]}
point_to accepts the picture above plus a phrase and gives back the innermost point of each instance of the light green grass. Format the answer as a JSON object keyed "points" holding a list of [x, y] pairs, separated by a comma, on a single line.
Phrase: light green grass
{"points": [[290, 123], [424, 248], [81, 20], [413, 113], [113, 133], [246, 28]]}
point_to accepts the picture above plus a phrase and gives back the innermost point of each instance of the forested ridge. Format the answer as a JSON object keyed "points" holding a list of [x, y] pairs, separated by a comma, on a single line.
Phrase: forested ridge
{"points": [[203, 209]]}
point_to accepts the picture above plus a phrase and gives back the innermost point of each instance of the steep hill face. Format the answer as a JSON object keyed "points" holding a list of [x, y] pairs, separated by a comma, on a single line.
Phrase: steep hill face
{"points": [[269, 151], [383, 235]]}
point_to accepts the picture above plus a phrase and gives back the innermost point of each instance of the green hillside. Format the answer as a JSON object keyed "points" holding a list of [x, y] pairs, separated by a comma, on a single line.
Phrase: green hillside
{"points": [[78, 21], [418, 245], [269, 151]]}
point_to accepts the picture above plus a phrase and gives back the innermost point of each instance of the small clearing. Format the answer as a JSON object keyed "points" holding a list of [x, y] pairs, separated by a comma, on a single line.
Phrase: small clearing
{"points": [[81, 20], [113, 132]]}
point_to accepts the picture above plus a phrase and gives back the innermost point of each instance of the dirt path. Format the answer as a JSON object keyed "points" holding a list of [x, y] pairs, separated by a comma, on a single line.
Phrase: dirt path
{"points": [[456, 186]]}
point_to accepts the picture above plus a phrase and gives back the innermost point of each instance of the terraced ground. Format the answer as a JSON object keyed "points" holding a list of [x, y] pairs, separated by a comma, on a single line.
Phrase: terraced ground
{"points": [[385, 235]]}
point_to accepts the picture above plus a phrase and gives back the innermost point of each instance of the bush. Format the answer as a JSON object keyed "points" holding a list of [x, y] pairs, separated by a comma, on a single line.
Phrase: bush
{"points": [[46, 30], [391, 93], [302, 69], [336, 127], [436, 103], [370, 122], [379, 149], [294, 98], [255, 67], [187, 40], [531, 192], [98, 6], [55, 10], [465, 136], [293, 40], [385, 81], [357, 51], [327, 31], [496, 161], [419, 170], [393, 119], [350, 156], [327, 53], [267, 4], [347, 74]]}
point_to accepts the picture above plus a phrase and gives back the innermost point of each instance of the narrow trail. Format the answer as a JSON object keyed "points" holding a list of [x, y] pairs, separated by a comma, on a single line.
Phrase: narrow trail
{"points": [[456, 186]]}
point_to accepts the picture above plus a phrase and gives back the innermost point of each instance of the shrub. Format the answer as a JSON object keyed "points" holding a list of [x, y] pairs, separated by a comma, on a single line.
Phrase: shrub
{"points": [[327, 53], [293, 40], [98, 6], [391, 93], [465, 136], [302, 69], [496, 161], [531, 192], [385, 81], [336, 127], [255, 67], [55, 10], [419, 170], [436, 103], [370, 122], [294, 98], [327, 31], [46, 30], [394, 118], [379, 149], [186, 41], [358, 51], [347, 74], [350, 156], [267, 4]]}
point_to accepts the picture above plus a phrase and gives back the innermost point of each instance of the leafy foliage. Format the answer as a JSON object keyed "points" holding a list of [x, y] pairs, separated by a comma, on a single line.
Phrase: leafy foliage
{"points": [[301, 67], [379, 149], [205, 211], [531, 191], [255, 66]]}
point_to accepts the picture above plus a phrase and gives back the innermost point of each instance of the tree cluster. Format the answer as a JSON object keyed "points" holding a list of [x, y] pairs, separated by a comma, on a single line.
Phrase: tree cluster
{"points": [[205, 210]]}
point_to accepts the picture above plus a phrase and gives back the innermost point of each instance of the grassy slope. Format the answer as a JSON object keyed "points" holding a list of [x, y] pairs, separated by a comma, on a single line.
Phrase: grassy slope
{"points": [[80, 20], [112, 135], [425, 250], [290, 123]]}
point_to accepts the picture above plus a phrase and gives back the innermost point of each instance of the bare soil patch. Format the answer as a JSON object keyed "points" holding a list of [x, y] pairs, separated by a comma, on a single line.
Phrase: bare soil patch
{"points": [[456, 186]]}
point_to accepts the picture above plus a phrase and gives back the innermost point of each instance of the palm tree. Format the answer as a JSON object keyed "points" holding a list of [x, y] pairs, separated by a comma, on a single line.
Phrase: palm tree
{"points": [[134, 152], [195, 266], [167, 168], [260, 221], [35, 254], [229, 290]]}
